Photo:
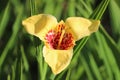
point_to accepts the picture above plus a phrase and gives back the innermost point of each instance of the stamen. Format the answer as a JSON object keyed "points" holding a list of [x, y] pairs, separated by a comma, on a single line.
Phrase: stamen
{"points": [[61, 37]]}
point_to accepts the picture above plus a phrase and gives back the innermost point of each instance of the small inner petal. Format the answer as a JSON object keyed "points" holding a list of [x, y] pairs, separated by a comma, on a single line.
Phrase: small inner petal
{"points": [[59, 39]]}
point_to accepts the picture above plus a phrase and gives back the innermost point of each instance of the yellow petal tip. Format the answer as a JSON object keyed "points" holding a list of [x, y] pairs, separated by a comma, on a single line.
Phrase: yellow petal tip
{"points": [[94, 26], [58, 60], [81, 27], [28, 26]]}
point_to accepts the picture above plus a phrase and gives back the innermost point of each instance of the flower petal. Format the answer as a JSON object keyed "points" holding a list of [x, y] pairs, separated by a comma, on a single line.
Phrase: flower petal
{"points": [[58, 60], [39, 25], [81, 27]]}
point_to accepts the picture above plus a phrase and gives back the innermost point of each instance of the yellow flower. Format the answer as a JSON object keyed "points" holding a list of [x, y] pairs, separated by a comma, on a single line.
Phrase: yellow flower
{"points": [[59, 38]]}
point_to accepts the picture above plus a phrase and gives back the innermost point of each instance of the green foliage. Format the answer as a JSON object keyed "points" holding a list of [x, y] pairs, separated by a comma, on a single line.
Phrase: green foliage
{"points": [[95, 57]]}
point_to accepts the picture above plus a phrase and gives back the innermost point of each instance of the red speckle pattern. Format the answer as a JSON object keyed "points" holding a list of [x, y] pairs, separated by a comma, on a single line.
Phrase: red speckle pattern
{"points": [[67, 41], [53, 37]]}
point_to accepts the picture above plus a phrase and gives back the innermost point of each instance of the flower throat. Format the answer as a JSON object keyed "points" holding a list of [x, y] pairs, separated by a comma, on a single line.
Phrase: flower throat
{"points": [[59, 38]]}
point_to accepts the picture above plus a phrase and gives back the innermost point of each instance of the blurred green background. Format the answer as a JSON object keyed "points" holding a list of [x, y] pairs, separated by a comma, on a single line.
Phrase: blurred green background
{"points": [[96, 57]]}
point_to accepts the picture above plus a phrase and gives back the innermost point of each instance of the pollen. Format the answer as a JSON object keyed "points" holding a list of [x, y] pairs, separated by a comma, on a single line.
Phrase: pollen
{"points": [[59, 38]]}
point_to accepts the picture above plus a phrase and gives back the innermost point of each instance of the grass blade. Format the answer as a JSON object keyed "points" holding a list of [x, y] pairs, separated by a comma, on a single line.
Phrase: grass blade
{"points": [[94, 67], [11, 41], [5, 19], [87, 69], [26, 65]]}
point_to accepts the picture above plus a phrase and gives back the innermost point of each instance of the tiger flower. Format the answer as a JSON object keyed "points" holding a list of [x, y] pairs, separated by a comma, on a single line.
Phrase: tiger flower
{"points": [[59, 37]]}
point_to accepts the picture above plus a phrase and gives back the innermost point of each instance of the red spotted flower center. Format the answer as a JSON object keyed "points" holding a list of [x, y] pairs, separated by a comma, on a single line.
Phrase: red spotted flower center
{"points": [[59, 39]]}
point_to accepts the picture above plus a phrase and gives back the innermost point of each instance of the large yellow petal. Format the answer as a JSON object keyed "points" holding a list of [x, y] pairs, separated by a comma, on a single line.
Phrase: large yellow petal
{"points": [[39, 25], [58, 60], [81, 27]]}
